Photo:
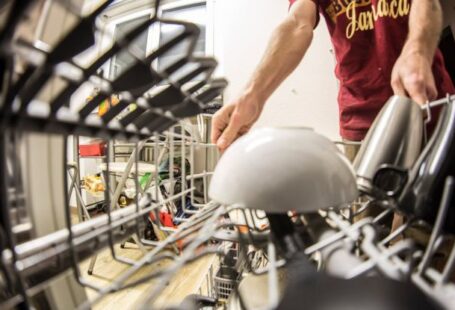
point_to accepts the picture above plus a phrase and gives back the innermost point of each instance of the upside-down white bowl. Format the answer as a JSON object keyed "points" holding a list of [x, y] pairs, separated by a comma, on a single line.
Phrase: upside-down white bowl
{"points": [[284, 169]]}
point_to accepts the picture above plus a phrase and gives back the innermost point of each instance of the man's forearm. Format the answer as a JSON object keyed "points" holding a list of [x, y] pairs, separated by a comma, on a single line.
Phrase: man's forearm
{"points": [[425, 25], [285, 51]]}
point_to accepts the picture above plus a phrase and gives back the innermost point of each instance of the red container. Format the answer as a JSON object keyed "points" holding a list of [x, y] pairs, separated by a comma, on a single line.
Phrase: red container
{"points": [[92, 149]]}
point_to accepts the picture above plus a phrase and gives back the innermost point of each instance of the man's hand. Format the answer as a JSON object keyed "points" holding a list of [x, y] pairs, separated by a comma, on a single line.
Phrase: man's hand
{"points": [[286, 48], [234, 120], [412, 77]]}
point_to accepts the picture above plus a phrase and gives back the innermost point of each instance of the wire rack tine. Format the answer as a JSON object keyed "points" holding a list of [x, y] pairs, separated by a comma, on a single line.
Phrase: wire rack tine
{"points": [[449, 267], [160, 273], [352, 232], [397, 232], [439, 223], [183, 167], [137, 191], [171, 162], [116, 221], [380, 258], [10, 143], [119, 281], [111, 204], [203, 236], [73, 253]]}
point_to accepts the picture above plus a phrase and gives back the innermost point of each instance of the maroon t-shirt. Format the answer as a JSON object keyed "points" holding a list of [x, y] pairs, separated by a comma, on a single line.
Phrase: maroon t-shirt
{"points": [[368, 36]]}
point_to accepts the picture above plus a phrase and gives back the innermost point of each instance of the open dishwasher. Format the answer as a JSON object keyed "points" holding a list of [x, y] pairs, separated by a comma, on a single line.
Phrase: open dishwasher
{"points": [[287, 242]]}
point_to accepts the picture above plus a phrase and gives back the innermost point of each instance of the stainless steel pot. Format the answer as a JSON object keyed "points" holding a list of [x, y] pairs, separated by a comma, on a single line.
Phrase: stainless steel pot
{"points": [[422, 196], [395, 138]]}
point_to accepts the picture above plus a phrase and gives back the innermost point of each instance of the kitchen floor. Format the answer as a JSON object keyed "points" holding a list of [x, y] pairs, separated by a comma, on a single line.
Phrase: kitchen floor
{"points": [[187, 281]]}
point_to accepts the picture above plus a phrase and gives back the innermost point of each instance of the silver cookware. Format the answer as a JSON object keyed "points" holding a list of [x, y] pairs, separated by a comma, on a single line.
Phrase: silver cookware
{"points": [[395, 138]]}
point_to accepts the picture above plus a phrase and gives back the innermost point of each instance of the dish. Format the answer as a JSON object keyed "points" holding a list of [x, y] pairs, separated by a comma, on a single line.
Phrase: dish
{"points": [[283, 169]]}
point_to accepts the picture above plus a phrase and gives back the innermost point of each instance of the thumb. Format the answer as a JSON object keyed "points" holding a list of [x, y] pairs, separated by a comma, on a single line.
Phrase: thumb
{"points": [[432, 92], [230, 133], [418, 94]]}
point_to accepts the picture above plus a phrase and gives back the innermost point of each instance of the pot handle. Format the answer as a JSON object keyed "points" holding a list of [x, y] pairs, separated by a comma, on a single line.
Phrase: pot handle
{"points": [[390, 180]]}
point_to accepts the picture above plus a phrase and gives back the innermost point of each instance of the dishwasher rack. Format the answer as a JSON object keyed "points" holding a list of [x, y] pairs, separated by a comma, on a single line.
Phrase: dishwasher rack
{"points": [[32, 258], [36, 121]]}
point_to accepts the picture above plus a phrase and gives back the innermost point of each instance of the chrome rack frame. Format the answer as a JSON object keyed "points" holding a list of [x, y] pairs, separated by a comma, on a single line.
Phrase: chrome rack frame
{"points": [[29, 262]]}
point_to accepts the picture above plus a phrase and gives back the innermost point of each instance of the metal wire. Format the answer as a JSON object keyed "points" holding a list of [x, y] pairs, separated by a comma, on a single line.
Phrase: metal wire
{"points": [[201, 221], [33, 115]]}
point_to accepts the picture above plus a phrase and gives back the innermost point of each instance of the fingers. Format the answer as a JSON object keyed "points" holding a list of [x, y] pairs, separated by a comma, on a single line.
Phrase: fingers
{"points": [[216, 129], [419, 97], [241, 133], [231, 132], [232, 122], [227, 126], [220, 121], [412, 77], [244, 130], [432, 91], [419, 88], [398, 87]]}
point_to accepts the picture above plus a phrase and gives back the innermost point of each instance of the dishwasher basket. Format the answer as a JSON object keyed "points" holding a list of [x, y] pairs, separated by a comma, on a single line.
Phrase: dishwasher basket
{"points": [[46, 253], [225, 281]]}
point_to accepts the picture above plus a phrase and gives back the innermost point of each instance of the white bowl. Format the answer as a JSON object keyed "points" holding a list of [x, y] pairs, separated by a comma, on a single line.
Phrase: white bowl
{"points": [[283, 169]]}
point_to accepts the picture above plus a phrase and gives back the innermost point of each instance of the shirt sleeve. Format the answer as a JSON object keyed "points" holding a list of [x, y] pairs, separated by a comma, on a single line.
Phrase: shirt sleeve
{"points": [[316, 2]]}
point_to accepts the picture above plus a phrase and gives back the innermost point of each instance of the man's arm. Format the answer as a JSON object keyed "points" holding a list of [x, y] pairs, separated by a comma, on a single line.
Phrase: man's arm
{"points": [[412, 75], [285, 51], [286, 48]]}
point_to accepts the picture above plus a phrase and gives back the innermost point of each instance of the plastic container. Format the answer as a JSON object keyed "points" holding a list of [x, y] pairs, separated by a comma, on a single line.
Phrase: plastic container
{"points": [[225, 281], [97, 148]]}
